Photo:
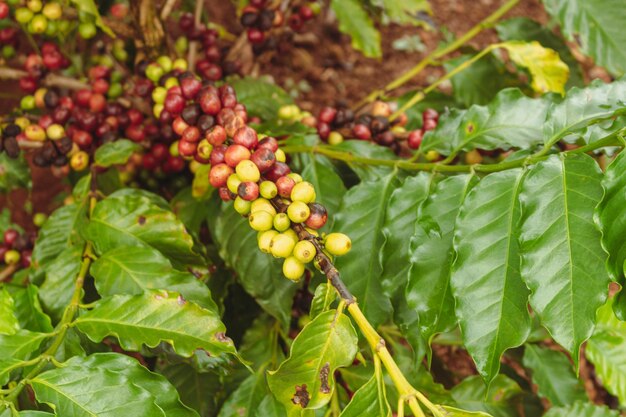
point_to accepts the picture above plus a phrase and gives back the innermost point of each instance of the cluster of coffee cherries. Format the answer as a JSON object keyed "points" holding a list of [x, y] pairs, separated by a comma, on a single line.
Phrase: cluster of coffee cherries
{"points": [[249, 170], [211, 64], [16, 248], [36, 16], [37, 66], [259, 17], [430, 119], [8, 140]]}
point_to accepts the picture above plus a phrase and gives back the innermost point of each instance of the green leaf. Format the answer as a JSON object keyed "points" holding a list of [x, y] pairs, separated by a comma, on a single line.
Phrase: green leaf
{"points": [[404, 11], [362, 217], [57, 289], [582, 409], [6, 367], [582, 107], [115, 153], [498, 400], [324, 296], [596, 25], [367, 150], [482, 82], [552, 372], [245, 400], [491, 298], [193, 387], [90, 391], [369, 400], [154, 317], [21, 344], [14, 173], [157, 385], [511, 120], [611, 217], [8, 321], [400, 217], [90, 7], [428, 291], [306, 378], [259, 273], [261, 98], [606, 349], [270, 407], [133, 220], [132, 270], [562, 259], [457, 412], [190, 210], [354, 21], [28, 309], [60, 231], [525, 29], [548, 72]]}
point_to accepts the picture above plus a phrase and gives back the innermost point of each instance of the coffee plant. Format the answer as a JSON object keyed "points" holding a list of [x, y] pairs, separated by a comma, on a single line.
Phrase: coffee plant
{"points": [[220, 249]]}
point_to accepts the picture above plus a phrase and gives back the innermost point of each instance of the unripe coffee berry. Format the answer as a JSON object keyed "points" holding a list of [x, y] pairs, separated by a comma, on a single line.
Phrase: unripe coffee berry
{"points": [[11, 257], [268, 189], [281, 222], [79, 161], [261, 221], [242, 206], [282, 245], [264, 240], [298, 212], [261, 204], [337, 244], [233, 183], [304, 251], [293, 268], [303, 191], [248, 171]]}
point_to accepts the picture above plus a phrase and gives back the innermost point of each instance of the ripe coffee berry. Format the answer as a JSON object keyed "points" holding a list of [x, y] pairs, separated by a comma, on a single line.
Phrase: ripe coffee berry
{"points": [[318, 217], [248, 190], [219, 175], [235, 154]]}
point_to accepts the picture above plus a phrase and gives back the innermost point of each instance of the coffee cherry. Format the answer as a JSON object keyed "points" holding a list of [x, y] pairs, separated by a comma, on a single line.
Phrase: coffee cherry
{"points": [[216, 136], [429, 124], [337, 244], [10, 236], [55, 131], [282, 245], [280, 155], [187, 148], [304, 251], [39, 219], [225, 195], [255, 36], [174, 103], [246, 136], [242, 206], [248, 171], [87, 30], [279, 169], [12, 257], [233, 183], [473, 157], [335, 138], [430, 114], [264, 240], [219, 175], [52, 11], [261, 220], [235, 154], [282, 222], [293, 269], [262, 204], [248, 190], [303, 191], [263, 159], [268, 143], [284, 186], [35, 133], [361, 132], [268, 190], [318, 217], [298, 212], [432, 156], [297, 178], [79, 161], [415, 139], [4, 10]]}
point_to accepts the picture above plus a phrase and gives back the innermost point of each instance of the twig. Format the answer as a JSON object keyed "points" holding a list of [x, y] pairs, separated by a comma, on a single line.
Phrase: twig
{"points": [[50, 80], [6, 273], [167, 9], [439, 53], [191, 56]]}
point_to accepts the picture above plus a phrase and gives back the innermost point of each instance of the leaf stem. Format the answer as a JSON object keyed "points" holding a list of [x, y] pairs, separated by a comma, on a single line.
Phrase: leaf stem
{"points": [[440, 52]]}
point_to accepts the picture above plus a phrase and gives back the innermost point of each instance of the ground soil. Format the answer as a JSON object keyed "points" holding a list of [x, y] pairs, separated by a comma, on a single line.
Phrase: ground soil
{"points": [[335, 72]]}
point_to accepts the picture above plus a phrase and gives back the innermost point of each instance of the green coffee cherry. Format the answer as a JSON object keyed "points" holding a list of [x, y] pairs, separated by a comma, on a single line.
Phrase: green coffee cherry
{"points": [[280, 155], [335, 138], [293, 268], [159, 94], [232, 183], [11, 257], [261, 220], [154, 72], [303, 191], [39, 219], [52, 11], [27, 102], [281, 222], [23, 15], [297, 178], [87, 30], [282, 245], [242, 206], [304, 251], [337, 244], [268, 189], [248, 171], [165, 62], [38, 24], [298, 212], [264, 239], [288, 112]]}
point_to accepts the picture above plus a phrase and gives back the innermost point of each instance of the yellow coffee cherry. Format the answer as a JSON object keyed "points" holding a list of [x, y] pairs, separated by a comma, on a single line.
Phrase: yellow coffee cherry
{"points": [[304, 192], [304, 251], [261, 204], [261, 220], [298, 212], [281, 222], [293, 268], [282, 245], [337, 244], [264, 239]]}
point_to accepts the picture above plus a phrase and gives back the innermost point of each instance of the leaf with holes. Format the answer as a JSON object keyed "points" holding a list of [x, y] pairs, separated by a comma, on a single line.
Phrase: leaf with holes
{"points": [[362, 217], [132, 270], [563, 262], [491, 298], [597, 26], [154, 317], [306, 379], [428, 291], [552, 372]]}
